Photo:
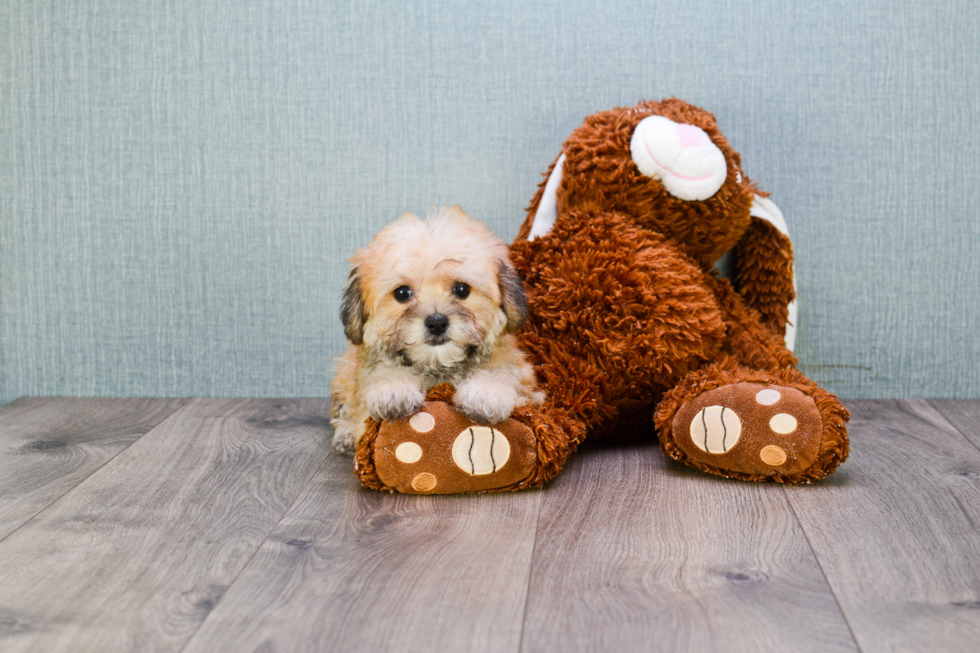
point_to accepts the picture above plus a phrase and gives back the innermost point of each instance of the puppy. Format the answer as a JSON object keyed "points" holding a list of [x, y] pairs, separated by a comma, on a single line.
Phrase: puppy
{"points": [[428, 303]]}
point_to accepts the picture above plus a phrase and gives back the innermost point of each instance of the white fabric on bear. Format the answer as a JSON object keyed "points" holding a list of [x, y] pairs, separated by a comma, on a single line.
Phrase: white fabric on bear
{"points": [[765, 209], [547, 213], [681, 156]]}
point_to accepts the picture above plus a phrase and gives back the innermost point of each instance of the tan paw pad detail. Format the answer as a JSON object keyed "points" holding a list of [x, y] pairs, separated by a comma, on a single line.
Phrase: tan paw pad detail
{"points": [[408, 452], [767, 397], [422, 422], [715, 429], [424, 482], [772, 455], [783, 423], [481, 450]]}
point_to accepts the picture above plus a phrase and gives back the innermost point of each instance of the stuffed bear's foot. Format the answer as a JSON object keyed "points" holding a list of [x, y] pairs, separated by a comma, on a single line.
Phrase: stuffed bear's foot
{"points": [[438, 451], [760, 427], [750, 428]]}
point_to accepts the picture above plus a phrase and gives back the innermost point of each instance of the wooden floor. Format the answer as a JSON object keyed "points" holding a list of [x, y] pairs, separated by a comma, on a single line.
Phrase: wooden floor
{"points": [[228, 525]]}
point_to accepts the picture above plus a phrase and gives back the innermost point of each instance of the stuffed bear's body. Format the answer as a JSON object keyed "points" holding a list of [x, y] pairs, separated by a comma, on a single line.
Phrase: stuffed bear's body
{"points": [[628, 325]]}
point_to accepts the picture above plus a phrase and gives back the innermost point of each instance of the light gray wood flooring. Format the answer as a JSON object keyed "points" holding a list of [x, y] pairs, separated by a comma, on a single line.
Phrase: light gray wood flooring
{"points": [[229, 525]]}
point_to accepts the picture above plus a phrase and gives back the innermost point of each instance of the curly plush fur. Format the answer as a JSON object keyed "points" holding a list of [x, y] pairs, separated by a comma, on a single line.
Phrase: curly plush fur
{"points": [[626, 318]]}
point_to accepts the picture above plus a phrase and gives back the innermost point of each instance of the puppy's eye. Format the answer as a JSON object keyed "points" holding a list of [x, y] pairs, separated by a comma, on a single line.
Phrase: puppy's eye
{"points": [[403, 294], [461, 290]]}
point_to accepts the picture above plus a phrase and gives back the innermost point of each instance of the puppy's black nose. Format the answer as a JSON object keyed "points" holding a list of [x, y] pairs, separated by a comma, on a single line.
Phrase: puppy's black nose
{"points": [[437, 323]]}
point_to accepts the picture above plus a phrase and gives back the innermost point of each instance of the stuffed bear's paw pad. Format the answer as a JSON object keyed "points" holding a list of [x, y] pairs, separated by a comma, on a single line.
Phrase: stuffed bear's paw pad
{"points": [[439, 451], [715, 429], [750, 428], [481, 450]]}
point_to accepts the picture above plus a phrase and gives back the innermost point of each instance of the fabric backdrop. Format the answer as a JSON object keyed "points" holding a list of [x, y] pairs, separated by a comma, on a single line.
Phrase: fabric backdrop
{"points": [[181, 182]]}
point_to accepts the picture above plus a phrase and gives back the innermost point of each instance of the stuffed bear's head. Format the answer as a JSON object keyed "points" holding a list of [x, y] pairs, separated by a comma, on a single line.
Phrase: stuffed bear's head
{"points": [[665, 164]]}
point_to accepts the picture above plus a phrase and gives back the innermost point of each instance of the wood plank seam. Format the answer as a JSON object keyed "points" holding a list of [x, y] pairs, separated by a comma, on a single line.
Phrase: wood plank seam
{"points": [[196, 482], [823, 572], [954, 426], [257, 549], [352, 569], [530, 569], [94, 471], [636, 552], [896, 533]]}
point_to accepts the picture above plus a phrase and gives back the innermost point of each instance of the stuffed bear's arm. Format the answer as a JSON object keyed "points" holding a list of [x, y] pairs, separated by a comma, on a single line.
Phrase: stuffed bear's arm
{"points": [[764, 270]]}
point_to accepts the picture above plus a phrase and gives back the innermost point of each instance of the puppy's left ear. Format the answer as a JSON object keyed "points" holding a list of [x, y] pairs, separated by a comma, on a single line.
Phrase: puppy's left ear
{"points": [[512, 298], [352, 309]]}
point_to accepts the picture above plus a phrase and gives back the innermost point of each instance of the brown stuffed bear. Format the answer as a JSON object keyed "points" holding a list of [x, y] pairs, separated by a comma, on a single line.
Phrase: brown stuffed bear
{"points": [[627, 323]]}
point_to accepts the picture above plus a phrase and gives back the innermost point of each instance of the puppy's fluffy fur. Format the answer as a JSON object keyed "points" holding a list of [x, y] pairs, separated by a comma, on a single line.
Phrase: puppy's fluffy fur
{"points": [[455, 267]]}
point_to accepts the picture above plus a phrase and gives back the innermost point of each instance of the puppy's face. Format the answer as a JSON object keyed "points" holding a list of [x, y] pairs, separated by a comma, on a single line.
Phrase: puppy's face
{"points": [[433, 294]]}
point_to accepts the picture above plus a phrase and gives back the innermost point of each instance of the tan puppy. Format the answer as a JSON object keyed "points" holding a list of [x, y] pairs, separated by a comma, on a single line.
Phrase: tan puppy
{"points": [[428, 303]]}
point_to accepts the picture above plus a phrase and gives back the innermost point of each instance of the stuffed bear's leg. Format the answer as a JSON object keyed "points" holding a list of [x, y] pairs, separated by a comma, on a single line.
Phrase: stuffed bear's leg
{"points": [[751, 415], [755, 425], [438, 451], [747, 340]]}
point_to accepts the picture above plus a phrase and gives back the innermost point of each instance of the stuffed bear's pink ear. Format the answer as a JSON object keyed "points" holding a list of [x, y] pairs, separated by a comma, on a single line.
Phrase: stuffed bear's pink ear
{"points": [[764, 269]]}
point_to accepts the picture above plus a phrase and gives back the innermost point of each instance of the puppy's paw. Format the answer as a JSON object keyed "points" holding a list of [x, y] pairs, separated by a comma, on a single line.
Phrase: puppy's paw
{"points": [[393, 400], [344, 442], [485, 399]]}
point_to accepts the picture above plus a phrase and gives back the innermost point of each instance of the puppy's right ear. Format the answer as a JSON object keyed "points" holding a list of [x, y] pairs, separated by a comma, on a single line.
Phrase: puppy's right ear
{"points": [[512, 298], [352, 310]]}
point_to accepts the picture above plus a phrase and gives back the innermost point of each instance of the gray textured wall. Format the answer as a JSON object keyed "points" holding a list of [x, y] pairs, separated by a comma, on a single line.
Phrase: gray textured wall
{"points": [[181, 182]]}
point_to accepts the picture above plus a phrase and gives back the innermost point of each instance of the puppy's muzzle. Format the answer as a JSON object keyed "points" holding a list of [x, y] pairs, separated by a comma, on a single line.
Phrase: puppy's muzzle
{"points": [[436, 324]]}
